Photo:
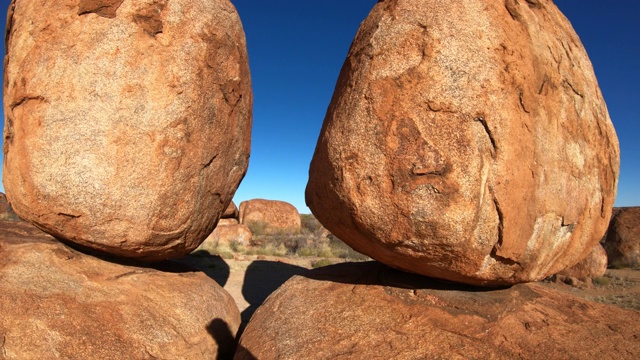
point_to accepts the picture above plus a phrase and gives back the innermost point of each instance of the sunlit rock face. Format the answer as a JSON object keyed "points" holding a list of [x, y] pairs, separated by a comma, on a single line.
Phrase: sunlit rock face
{"points": [[58, 303], [368, 311], [467, 141], [128, 123]]}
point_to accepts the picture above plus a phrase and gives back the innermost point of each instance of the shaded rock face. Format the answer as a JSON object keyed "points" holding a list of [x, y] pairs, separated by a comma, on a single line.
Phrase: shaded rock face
{"points": [[59, 303], [128, 123], [467, 141], [270, 216], [623, 238], [231, 212], [593, 266], [369, 311]]}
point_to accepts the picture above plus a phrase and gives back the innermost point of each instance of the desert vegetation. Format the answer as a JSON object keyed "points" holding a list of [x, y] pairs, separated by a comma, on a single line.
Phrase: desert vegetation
{"points": [[312, 241]]}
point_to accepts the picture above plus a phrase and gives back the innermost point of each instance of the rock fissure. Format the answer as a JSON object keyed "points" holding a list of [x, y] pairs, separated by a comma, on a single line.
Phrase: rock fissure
{"points": [[521, 98], [487, 130], [23, 100], [575, 91], [103, 8]]}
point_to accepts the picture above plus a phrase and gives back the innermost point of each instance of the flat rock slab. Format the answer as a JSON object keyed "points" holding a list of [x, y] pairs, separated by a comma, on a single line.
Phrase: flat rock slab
{"points": [[59, 303], [128, 123], [370, 311]]}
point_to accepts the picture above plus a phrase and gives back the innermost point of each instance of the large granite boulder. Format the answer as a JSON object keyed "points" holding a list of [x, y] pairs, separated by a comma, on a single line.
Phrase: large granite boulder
{"points": [[128, 123], [270, 217], [369, 311], [59, 303], [623, 238], [467, 141]]}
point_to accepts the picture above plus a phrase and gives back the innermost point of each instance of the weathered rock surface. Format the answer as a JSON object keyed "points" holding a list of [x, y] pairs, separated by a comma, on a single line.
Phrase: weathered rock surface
{"points": [[593, 266], [59, 303], [231, 212], [623, 238], [370, 311], [271, 216], [467, 141], [128, 123]]}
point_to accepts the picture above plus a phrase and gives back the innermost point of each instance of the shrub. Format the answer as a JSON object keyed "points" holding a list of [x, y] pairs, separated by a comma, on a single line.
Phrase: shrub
{"points": [[258, 228], [321, 263]]}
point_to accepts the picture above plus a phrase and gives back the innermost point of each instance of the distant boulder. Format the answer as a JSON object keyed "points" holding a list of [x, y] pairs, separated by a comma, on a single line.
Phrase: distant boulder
{"points": [[270, 217], [623, 238], [593, 266], [231, 212], [223, 237]]}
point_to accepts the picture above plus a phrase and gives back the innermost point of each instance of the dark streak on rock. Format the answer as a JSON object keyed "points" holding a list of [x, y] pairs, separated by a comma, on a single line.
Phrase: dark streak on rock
{"points": [[210, 161], [9, 27], [510, 5], [69, 215], [534, 4], [482, 121], [498, 245], [26, 99], [104, 8], [573, 88], [521, 96], [544, 83]]}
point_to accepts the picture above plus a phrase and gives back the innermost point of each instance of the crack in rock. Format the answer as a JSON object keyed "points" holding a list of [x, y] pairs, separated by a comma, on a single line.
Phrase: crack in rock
{"points": [[103, 8]]}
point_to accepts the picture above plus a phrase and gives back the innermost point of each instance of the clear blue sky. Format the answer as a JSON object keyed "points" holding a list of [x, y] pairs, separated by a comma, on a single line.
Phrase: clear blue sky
{"points": [[296, 49]]}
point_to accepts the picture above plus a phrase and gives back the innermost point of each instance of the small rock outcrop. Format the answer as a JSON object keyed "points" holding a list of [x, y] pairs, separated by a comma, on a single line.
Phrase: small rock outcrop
{"points": [[224, 235], [467, 141], [370, 311], [623, 238], [270, 216], [231, 212], [593, 266], [128, 123], [59, 303]]}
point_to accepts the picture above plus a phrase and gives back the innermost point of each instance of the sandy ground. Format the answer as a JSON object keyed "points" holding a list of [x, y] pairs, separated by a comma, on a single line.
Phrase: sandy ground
{"points": [[251, 279]]}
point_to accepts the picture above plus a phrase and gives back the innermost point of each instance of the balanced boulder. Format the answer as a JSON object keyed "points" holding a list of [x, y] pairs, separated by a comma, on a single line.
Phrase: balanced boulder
{"points": [[270, 216], [623, 238], [467, 141], [128, 123], [58, 303], [369, 311]]}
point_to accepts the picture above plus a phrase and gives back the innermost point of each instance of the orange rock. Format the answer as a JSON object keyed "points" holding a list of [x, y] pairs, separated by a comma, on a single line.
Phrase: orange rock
{"points": [[467, 141], [226, 234], [593, 266], [59, 303], [623, 238], [369, 311], [270, 216], [231, 212], [128, 123]]}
